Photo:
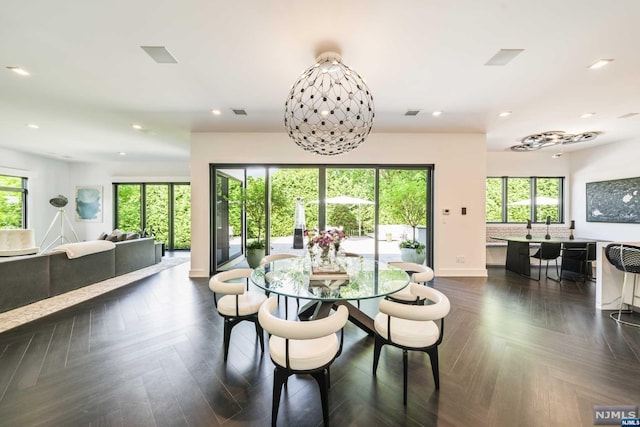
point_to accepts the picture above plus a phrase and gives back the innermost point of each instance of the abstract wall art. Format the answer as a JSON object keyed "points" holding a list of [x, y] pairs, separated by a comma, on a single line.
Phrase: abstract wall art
{"points": [[614, 201], [89, 203]]}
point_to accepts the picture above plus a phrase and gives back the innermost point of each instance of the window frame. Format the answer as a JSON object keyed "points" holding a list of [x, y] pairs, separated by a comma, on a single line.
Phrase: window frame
{"points": [[23, 191], [532, 196], [143, 207]]}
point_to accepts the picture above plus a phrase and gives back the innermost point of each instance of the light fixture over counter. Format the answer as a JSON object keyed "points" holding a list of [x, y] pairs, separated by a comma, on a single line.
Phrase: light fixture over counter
{"points": [[550, 138], [329, 110]]}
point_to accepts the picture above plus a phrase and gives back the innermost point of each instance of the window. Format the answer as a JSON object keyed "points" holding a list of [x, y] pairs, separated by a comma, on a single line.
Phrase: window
{"points": [[164, 210], [518, 199], [13, 202]]}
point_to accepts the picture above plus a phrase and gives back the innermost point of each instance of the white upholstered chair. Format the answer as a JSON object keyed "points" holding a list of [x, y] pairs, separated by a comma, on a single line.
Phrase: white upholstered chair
{"points": [[302, 348], [237, 304], [419, 274], [275, 257], [14, 242], [412, 327]]}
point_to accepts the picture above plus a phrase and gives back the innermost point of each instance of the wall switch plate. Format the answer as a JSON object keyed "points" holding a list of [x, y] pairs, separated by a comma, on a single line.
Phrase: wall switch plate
{"points": [[464, 211]]}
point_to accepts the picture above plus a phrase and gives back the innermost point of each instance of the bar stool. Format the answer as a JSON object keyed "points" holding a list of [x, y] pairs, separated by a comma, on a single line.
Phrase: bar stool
{"points": [[625, 258]]}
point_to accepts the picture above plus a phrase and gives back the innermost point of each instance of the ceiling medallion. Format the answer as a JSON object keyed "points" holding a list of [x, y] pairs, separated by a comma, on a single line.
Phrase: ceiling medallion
{"points": [[550, 138], [329, 110]]}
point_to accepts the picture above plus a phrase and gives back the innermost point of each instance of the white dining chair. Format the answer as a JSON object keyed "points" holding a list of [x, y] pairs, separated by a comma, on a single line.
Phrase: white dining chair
{"points": [[308, 347], [237, 303], [412, 327], [420, 274]]}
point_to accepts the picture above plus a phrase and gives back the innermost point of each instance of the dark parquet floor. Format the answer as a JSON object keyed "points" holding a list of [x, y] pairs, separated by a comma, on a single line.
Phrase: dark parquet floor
{"points": [[515, 352]]}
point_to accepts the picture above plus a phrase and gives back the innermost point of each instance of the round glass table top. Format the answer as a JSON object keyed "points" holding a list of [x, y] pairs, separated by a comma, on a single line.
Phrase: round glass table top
{"points": [[359, 278]]}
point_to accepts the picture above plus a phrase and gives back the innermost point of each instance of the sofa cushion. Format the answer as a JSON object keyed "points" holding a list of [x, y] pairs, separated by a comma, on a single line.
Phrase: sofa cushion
{"points": [[132, 236]]}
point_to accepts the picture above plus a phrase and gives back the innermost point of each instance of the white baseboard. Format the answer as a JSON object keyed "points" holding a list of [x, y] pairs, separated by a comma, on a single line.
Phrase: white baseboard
{"points": [[461, 272]]}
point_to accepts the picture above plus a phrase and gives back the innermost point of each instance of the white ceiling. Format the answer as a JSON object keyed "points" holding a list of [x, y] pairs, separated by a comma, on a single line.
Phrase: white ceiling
{"points": [[90, 80]]}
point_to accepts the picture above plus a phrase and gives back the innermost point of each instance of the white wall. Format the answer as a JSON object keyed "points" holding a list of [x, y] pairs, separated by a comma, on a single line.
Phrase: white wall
{"points": [[105, 174], [600, 163], [459, 181], [612, 161], [48, 178]]}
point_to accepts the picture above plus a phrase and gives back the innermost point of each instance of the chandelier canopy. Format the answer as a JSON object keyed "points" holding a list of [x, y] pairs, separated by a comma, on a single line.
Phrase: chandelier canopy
{"points": [[553, 137], [329, 110]]}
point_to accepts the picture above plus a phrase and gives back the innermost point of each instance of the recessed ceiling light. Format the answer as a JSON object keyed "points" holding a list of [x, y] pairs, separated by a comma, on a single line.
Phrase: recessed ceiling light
{"points": [[216, 112], [136, 126], [122, 153], [587, 115], [33, 126], [504, 114], [599, 63], [436, 113], [19, 70]]}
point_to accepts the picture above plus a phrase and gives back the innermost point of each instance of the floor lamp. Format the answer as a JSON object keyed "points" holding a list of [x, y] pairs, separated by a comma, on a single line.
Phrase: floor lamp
{"points": [[58, 202]]}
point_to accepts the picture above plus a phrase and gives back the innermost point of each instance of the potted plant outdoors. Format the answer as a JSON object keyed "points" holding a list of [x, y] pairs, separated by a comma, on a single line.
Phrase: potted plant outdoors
{"points": [[253, 202], [409, 204]]}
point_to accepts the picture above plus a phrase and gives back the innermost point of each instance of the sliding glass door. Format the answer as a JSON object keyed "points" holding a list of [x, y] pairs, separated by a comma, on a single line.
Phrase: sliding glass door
{"points": [[377, 207]]}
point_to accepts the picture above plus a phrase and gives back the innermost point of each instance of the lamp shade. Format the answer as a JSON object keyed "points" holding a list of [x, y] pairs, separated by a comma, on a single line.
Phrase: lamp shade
{"points": [[548, 220], [572, 226], [329, 109]]}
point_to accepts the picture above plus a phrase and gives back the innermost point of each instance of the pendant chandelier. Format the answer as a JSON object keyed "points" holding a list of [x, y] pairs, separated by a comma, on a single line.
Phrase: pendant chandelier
{"points": [[329, 110]]}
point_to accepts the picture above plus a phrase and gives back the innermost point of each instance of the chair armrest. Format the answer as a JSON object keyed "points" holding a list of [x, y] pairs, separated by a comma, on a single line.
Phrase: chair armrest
{"points": [[300, 330]]}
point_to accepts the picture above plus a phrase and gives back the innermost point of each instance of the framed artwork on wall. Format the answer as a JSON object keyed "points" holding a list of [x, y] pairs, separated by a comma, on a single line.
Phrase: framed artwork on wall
{"points": [[89, 203], [617, 200]]}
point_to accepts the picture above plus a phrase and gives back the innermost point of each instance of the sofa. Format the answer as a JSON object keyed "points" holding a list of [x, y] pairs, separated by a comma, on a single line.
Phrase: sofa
{"points": [[26, 279]]}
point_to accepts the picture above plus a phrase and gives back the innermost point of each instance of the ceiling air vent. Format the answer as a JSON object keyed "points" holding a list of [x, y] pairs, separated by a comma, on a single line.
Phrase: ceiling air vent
{"points": [[504, 56], [412, 112], [239, 111], [160, 54]]}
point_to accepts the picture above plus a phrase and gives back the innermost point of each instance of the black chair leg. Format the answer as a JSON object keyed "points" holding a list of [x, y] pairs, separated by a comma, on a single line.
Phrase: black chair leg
{"points": [[405, 369], [433, 356], [259, 334], [376, 353], [322, 379], [279, 378], [286, 307], [227, 337]]}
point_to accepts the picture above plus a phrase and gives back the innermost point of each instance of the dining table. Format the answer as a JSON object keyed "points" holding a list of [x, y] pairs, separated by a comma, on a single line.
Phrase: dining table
{"points": [[518, 258], [348, 281]]}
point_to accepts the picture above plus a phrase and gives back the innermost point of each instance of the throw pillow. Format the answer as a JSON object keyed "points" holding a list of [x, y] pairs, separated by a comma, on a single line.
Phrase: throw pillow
{"points": [[132, 236], [115, 236], [102, 236]]}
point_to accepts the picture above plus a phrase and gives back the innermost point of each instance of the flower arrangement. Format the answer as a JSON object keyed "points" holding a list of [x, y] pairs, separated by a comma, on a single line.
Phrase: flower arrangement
{"points": [[325, 238]]}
